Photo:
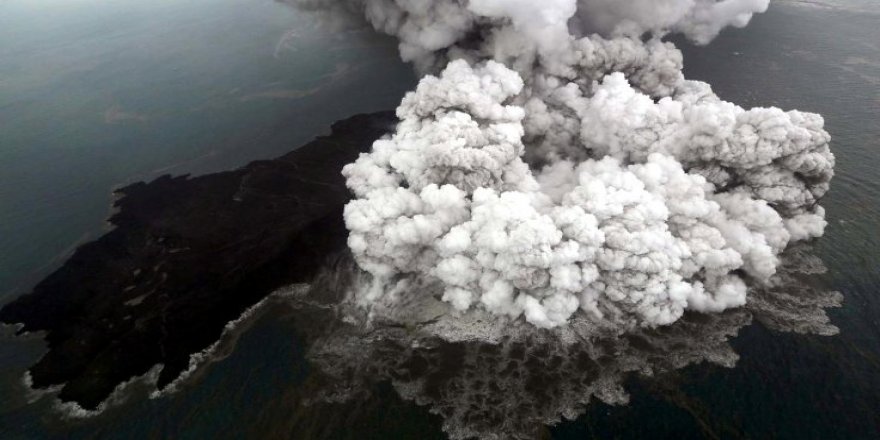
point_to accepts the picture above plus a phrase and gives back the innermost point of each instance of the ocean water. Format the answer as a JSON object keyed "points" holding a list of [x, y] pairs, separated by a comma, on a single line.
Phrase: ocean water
{"points": [[95, 94], [815, 56]]}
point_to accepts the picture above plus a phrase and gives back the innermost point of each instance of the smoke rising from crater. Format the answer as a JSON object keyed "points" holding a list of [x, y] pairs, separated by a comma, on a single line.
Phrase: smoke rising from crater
{"points": [[554, 160]]}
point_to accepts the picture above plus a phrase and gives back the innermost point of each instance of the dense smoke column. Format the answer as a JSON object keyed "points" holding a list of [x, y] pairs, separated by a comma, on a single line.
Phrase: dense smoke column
{"points": [[555, 160]]}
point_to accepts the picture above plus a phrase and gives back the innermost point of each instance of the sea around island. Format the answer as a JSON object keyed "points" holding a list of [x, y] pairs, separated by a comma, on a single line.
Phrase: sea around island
{"points": [[207, 86]]}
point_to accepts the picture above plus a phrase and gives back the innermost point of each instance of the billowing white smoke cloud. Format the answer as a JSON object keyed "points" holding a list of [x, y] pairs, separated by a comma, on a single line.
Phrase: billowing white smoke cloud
{"points": [[543, 172], [700, 20]]}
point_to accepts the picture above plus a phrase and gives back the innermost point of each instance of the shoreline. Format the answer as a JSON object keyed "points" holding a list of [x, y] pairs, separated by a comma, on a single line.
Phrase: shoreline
{"points": [[188, 256]]}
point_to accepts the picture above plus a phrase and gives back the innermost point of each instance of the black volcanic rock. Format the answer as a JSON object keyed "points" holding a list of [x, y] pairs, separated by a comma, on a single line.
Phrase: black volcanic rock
{"points": [[187, 256]]}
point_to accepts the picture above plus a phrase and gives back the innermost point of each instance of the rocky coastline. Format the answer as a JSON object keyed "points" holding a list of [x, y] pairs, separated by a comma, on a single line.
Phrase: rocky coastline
{"points": [[186, 256]]}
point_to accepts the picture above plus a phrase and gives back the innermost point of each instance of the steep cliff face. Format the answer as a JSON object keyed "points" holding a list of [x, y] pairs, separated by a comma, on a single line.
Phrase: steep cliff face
{"points": [[187, 256]]}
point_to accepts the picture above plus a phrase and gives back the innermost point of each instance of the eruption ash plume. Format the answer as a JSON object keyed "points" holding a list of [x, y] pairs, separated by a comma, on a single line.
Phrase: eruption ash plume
{"points": [[522, 378], [554, 160]]}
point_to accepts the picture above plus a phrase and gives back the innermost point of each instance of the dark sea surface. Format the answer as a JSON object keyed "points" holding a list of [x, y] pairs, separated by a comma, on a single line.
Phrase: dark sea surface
{"points": [[94, 94]]}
